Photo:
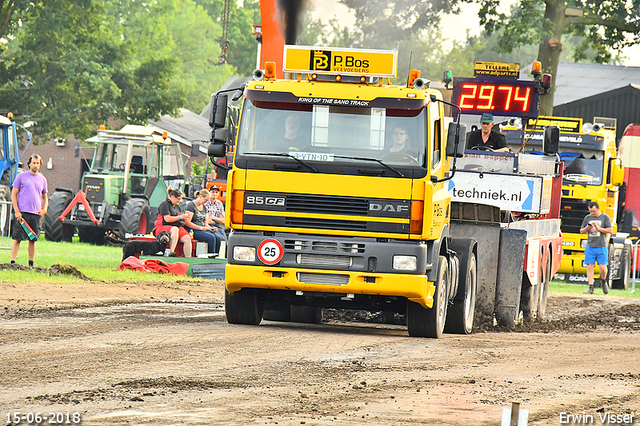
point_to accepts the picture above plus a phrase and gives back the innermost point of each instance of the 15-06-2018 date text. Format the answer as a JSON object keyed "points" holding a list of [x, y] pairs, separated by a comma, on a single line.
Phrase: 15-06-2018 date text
{"points": [[52, 418]]}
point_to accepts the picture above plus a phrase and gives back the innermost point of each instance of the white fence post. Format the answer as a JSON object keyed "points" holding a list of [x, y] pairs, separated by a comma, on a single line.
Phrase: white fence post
{"points": [[6, 212]]}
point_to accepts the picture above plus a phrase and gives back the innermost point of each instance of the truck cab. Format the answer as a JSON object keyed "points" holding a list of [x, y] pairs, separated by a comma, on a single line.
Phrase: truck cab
{"points": [[337, 195]]}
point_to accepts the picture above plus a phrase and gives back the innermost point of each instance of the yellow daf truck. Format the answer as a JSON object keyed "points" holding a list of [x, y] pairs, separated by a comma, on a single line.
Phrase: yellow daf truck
{"points": [[339, 198]]}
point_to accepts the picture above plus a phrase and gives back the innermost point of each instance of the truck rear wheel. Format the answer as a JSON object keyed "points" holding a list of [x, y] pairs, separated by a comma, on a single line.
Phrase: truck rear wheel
{"points": [[423, 322], [544, 289], [243, 306], [54, 229], [529, 300], [461, 313], [622, 283], [135, 217], [306, 314]]}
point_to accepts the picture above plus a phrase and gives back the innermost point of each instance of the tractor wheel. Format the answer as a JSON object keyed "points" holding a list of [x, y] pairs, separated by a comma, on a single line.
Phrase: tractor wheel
{"points": [[54, 229], [91, 235], [135, 217], [306, 314], [461, 312], [423, 322], [622, 283], [243, 307]]}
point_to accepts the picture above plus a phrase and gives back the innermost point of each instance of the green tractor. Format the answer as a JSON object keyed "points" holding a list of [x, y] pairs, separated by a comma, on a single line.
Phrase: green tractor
{"points": [[132, 169]]}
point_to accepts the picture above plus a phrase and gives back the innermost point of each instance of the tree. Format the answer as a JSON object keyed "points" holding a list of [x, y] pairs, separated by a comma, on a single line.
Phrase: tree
{"points": [[68, 67], [182, 30], [398, 19], [243, 46], [8, 8], [603, 26]]}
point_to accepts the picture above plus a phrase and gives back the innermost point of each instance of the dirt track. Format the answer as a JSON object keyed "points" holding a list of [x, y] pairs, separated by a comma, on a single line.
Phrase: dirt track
{"points": [[164, 354]]}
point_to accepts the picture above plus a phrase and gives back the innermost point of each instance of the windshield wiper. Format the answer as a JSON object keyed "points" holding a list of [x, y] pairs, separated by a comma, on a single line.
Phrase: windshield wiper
{"points": [[375, 160], [284, 154]]}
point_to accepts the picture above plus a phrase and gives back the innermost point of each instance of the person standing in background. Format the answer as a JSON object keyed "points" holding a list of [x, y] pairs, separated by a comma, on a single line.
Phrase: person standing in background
{"points": [[596, 225], [30, 203]]}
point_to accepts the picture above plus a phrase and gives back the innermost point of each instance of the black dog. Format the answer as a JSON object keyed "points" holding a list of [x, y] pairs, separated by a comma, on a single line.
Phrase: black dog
{"points": [[146, 248]]}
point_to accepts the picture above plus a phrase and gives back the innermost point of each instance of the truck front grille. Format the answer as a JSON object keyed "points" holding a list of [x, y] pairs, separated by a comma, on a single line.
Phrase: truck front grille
{"points": [[572, 212], [305, 203], [324, 261], [326, 279], [347, 225]]}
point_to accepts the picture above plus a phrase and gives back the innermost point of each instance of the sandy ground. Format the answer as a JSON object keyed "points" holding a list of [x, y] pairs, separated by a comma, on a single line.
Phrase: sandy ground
{"points": [[163, 354]]}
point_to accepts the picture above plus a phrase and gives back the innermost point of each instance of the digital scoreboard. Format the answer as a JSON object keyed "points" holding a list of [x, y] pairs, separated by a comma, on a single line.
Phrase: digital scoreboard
{"points": [[498, 96]]}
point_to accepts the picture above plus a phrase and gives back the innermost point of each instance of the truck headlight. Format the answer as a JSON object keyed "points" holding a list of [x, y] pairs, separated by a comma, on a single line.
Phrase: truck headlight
{"points": [[583, 243], [405, 263], [245, 254]]}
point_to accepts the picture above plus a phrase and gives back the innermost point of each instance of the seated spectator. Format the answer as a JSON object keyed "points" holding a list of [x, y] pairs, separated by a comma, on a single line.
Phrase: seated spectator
{"points": [[202, 224], [173, 221], [215, 209]]}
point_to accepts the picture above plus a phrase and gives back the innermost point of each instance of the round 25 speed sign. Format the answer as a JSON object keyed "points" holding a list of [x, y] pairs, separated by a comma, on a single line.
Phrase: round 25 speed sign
{"points": [[270, 251]]}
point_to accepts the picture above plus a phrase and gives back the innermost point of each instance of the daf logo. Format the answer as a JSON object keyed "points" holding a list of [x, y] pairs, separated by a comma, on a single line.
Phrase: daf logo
{"points": [[400, 208]]}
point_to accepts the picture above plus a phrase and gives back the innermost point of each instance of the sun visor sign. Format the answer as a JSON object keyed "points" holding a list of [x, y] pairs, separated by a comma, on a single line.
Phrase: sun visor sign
{"points": [[566, 124], [330, 60]]}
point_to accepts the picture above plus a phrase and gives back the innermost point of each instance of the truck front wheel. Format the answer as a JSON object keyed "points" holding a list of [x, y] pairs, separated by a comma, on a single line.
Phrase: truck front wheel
{"points": [[461, 312], [243, 306], [423, 322]]}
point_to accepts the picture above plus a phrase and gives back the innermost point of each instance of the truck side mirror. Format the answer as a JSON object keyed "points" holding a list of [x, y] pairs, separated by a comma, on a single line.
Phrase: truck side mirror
{"points": [[551, 142], [452, 149], [218, 117], [216, 150], [617, 172]]}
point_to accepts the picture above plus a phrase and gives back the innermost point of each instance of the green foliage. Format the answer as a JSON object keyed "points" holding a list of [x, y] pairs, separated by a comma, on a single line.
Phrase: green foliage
{"points": [[383, 20], [243, 46], [73, 64], [69, 67], [316, 33], [602, 30], [199, 170], [182, 30]]}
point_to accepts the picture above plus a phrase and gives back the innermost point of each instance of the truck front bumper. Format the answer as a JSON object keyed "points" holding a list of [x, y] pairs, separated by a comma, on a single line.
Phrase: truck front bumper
{"points": [[415, 288]]}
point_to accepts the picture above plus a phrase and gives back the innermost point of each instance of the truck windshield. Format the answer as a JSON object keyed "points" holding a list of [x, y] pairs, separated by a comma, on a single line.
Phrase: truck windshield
{"points": [[319, 133], [583, 168]]}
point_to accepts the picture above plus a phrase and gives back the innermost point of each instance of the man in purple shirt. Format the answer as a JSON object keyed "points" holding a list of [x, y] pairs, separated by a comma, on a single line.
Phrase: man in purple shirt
{"points": [[30, 203]]}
